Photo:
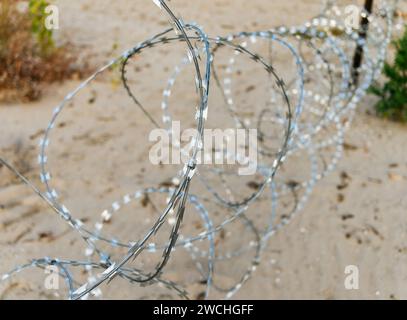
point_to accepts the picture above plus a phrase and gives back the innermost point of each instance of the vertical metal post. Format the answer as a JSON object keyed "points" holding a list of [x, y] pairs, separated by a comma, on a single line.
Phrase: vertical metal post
{"points": [[358, 57]]}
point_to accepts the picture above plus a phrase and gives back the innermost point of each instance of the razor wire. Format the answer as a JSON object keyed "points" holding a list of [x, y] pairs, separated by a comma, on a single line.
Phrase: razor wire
{"points": [[311, 111]]}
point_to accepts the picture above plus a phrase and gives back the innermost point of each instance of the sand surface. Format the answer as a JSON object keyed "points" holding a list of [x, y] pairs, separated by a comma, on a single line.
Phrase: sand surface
{"points": [[99, 151]]}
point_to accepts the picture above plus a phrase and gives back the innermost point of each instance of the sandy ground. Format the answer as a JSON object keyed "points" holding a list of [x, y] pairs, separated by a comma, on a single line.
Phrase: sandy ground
{"points": [[100, 152]]}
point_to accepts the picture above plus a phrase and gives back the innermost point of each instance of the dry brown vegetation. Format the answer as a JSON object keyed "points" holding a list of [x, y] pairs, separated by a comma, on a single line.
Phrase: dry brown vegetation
{"points": [[24, 64]]}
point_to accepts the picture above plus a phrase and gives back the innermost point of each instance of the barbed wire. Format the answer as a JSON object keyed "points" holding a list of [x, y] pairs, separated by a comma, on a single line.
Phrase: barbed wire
{"points": [[311, 111]]}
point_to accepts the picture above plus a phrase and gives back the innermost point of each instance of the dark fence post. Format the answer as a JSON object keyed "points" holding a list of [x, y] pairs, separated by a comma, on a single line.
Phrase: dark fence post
{"points": [[358, 57]]}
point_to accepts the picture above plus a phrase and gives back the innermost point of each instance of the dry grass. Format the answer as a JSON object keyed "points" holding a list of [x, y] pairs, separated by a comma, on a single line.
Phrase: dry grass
{"points": [[24, 67]]}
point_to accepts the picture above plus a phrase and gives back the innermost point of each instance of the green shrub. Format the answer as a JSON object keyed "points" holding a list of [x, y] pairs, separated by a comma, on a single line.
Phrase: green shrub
{"points": [[393, 94]]}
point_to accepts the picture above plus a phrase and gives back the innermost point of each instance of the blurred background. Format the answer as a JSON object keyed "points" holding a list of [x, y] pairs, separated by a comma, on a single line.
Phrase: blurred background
{"points": [[99, 149]]}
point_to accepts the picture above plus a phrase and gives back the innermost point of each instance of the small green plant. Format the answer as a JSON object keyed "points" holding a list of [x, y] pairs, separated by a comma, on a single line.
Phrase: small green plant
{"points": [[393, 94], [38, 26], [29, 58]]}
